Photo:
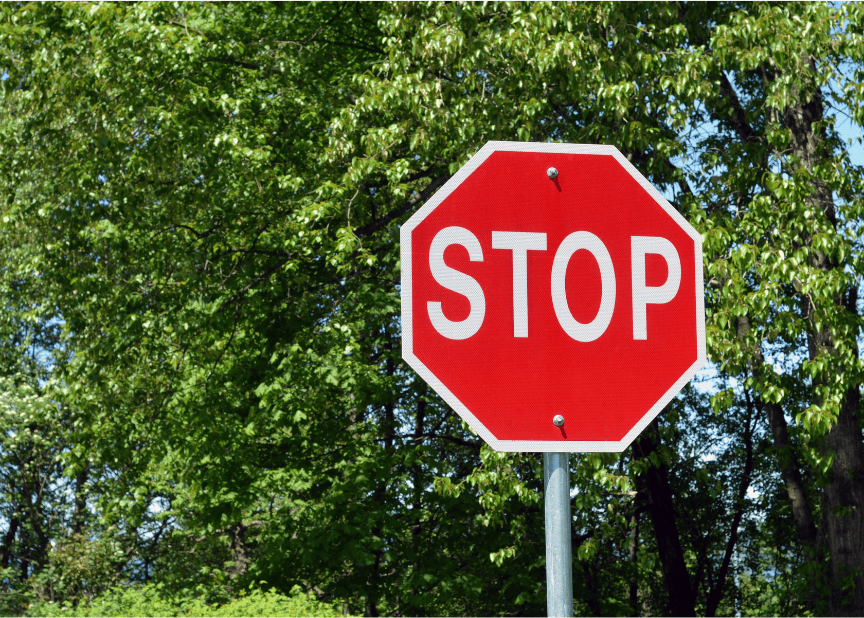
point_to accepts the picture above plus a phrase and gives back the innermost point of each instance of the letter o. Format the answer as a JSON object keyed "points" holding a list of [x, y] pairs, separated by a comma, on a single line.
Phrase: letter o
{"points": [[596, 327]]}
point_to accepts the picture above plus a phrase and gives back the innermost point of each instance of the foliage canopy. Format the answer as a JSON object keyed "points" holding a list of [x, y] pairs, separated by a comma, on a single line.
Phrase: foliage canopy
{"points": [[200, 213]]}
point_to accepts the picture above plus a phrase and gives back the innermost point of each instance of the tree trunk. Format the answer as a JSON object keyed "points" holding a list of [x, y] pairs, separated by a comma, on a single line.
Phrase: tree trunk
{"points": [[790, 469], [634, 576], [791, 472], [80, 514], [654, 482], [380, 494], [8, 539], [372, 591], [842, 526], [843, 513], [716, 592], [239, 550], [417, 505]]}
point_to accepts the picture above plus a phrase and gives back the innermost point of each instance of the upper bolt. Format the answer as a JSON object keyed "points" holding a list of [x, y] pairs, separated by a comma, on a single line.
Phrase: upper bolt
{"points": [[552, 173]]}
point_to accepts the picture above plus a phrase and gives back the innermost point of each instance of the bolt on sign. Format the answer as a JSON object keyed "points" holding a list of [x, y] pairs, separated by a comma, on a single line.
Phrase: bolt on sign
{"points": [[552, 297]]}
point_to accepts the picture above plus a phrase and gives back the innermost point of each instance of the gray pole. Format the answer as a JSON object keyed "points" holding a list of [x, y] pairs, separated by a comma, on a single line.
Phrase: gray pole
{"points": [[559, 563]]}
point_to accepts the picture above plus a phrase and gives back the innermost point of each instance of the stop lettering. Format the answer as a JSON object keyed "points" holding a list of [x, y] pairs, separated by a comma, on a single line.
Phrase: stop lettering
{"points": [[552, 280]]}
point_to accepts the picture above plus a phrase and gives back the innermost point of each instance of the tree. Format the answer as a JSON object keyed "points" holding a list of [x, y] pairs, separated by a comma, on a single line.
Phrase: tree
{"points": [[245, 367], [211, 196], [38, 503], [727, 108]]}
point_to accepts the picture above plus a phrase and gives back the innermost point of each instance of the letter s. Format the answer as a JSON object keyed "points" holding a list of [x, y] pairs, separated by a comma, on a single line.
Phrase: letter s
{"points": [[457, 282]]}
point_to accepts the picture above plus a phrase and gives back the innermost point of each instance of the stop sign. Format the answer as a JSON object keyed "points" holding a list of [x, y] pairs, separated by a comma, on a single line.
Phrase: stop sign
{"points": [[552, 280]]}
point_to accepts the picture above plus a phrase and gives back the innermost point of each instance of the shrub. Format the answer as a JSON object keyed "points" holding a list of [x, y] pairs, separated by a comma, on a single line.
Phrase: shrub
{"points": [[148, 601]]}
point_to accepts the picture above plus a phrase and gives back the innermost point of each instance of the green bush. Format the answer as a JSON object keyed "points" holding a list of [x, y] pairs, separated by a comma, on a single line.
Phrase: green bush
{"points": [[148, 601]]}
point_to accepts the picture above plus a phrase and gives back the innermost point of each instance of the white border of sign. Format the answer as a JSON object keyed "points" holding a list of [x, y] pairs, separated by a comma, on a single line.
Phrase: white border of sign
{"points": [[538, 446]]}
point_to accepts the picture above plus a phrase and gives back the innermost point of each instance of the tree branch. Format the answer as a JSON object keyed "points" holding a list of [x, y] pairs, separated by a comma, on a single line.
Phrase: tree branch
{"points": [[739, 118], [234, 63], [716, 592], [239, 295], [373, 227], [318, 31]]}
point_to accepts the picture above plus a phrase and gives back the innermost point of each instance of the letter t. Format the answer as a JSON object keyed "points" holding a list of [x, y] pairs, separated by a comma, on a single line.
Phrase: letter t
{"points": [[520, 243]]}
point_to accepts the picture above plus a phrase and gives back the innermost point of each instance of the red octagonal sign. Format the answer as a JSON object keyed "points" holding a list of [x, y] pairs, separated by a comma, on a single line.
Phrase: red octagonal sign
{"points": [[550, 280]]}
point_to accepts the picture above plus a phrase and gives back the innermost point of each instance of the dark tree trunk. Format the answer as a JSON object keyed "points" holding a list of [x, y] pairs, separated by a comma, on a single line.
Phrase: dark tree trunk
{"points": [[791, 472], [8, 539], [417, 471], [591, 588], [634, 576], [239, 550], [417, 504], [80, 514], [372, 593], [843, 514], [380, 494], [716, 592], [842, 526], [790, 469], [654, 483]]}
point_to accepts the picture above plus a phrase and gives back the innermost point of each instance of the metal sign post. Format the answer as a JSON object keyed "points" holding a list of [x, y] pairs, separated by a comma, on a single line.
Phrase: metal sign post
{"points": [[559, 562]]}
